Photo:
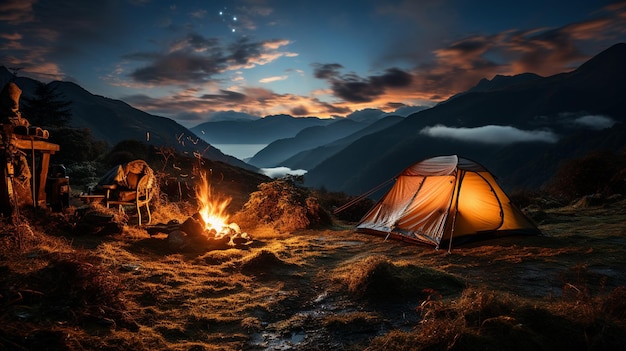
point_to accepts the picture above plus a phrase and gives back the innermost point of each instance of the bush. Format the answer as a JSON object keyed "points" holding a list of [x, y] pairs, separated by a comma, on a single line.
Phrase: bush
{"points": [[83, 173], [283, 205], [596, 173]]}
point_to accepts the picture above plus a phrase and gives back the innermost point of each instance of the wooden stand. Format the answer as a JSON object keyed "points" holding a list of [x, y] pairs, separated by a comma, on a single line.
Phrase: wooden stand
{"points": [[30, 143]]}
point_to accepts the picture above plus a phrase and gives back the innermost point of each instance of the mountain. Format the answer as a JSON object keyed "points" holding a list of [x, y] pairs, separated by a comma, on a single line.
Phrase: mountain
{"points": [[370, 115], [366, 115], [112, 121], [282, 149], [309, 159], [502, 82], [260, 131], [231, 115], [548, 107]]}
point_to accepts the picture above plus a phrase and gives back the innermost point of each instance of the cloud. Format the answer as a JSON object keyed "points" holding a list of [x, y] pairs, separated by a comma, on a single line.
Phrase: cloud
{"points": [[198, 59], [273, 79], [16, 11], [491, 134], [299, 111], [195, 105], [327, 70], [545, 51], [225, 96], [595, 122], [350, 87], [279, 172], [178, 68]]}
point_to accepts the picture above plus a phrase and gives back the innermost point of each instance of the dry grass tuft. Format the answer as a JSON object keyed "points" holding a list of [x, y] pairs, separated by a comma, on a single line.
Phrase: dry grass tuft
{"points": [[164, 211], [353, 322], [615, 304], [23, 237], [482, 319], [263, 262], [283, 205], [63, 290], [377, 278]]}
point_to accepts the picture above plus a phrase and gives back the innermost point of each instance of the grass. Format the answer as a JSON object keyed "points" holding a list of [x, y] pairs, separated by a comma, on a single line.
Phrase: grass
{"points": [[311, 289]]}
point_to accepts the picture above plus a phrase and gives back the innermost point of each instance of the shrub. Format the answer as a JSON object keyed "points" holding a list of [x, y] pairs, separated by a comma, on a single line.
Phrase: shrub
{"points": [[284, 205], [598, 172]]}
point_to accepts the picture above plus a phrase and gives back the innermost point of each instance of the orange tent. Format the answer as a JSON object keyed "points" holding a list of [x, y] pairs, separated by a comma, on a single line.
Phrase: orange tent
{"points": [[445, 198]]}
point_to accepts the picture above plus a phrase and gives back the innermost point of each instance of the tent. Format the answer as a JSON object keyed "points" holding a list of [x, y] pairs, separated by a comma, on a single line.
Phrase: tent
{"points": [[445, 197]]}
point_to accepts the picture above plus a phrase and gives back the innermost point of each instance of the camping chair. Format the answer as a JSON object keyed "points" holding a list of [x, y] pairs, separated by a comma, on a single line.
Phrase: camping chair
{"points": [[132, 185]]}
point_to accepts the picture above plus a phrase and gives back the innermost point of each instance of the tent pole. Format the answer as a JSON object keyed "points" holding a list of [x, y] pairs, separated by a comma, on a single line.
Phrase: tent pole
{"points": [[460, 175]]}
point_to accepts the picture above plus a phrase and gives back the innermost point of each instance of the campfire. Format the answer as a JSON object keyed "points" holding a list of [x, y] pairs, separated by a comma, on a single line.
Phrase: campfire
{"points": [[208, 226], [212, 211]]}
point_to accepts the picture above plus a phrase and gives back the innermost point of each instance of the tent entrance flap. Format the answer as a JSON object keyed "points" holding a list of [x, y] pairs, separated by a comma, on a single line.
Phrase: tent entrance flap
{"points": [[427, 213]]}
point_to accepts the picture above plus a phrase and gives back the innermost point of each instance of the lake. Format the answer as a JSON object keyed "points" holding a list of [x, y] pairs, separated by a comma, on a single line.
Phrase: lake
{"points": [[246, 151]]}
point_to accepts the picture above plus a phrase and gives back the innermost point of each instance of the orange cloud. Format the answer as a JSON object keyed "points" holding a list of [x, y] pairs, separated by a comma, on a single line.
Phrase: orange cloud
{"points": [[16, 11]]}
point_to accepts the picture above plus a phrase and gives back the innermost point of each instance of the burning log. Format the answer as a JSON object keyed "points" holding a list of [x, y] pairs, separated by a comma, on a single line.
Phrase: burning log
{"points": [[194, 231], [208, 227], [193, 226]]}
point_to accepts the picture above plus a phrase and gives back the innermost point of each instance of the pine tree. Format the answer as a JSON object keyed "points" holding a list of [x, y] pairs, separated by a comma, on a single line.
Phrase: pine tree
{"points": [[46, 108]]}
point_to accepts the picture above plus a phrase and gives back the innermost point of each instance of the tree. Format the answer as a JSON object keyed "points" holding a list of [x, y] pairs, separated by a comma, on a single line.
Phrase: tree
{"points": [[76, 145], [46, 108]]}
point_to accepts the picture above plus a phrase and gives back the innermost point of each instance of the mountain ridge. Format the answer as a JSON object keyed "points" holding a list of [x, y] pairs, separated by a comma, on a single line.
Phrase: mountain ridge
{"points": [[112, 121], [310, 158], [260, 131], [308, 138], [551, 103]]}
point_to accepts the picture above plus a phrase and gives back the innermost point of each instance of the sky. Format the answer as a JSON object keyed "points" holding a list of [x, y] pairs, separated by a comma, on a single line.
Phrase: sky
{"points": [[193, 60]]}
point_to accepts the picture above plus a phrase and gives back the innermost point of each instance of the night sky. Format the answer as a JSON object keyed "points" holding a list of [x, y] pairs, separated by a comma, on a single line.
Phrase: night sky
{"points": [[188, 60]]}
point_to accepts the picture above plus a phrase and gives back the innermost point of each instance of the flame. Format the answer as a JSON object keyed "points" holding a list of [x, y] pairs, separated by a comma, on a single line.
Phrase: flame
{"points": [[212, 208]]}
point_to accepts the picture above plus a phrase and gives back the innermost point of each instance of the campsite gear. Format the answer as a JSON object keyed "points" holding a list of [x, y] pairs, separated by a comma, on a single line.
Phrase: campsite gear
{"points": [[444, 198], [58, 188], [131, 184]]}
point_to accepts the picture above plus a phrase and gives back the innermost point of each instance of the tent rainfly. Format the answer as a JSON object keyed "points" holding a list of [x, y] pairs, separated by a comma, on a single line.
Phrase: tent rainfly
{"points": [[442, 198]]}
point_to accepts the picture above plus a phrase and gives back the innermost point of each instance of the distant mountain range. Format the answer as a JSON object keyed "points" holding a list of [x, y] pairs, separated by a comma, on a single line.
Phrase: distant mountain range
{"points": [[229, 127], [519, 127], [259, 131], [287, 136], [282, 149], [309, 159]]}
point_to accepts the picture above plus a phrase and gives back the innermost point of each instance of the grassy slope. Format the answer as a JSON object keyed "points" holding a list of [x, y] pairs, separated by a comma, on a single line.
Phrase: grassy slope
{"points": [[318, 289]]}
